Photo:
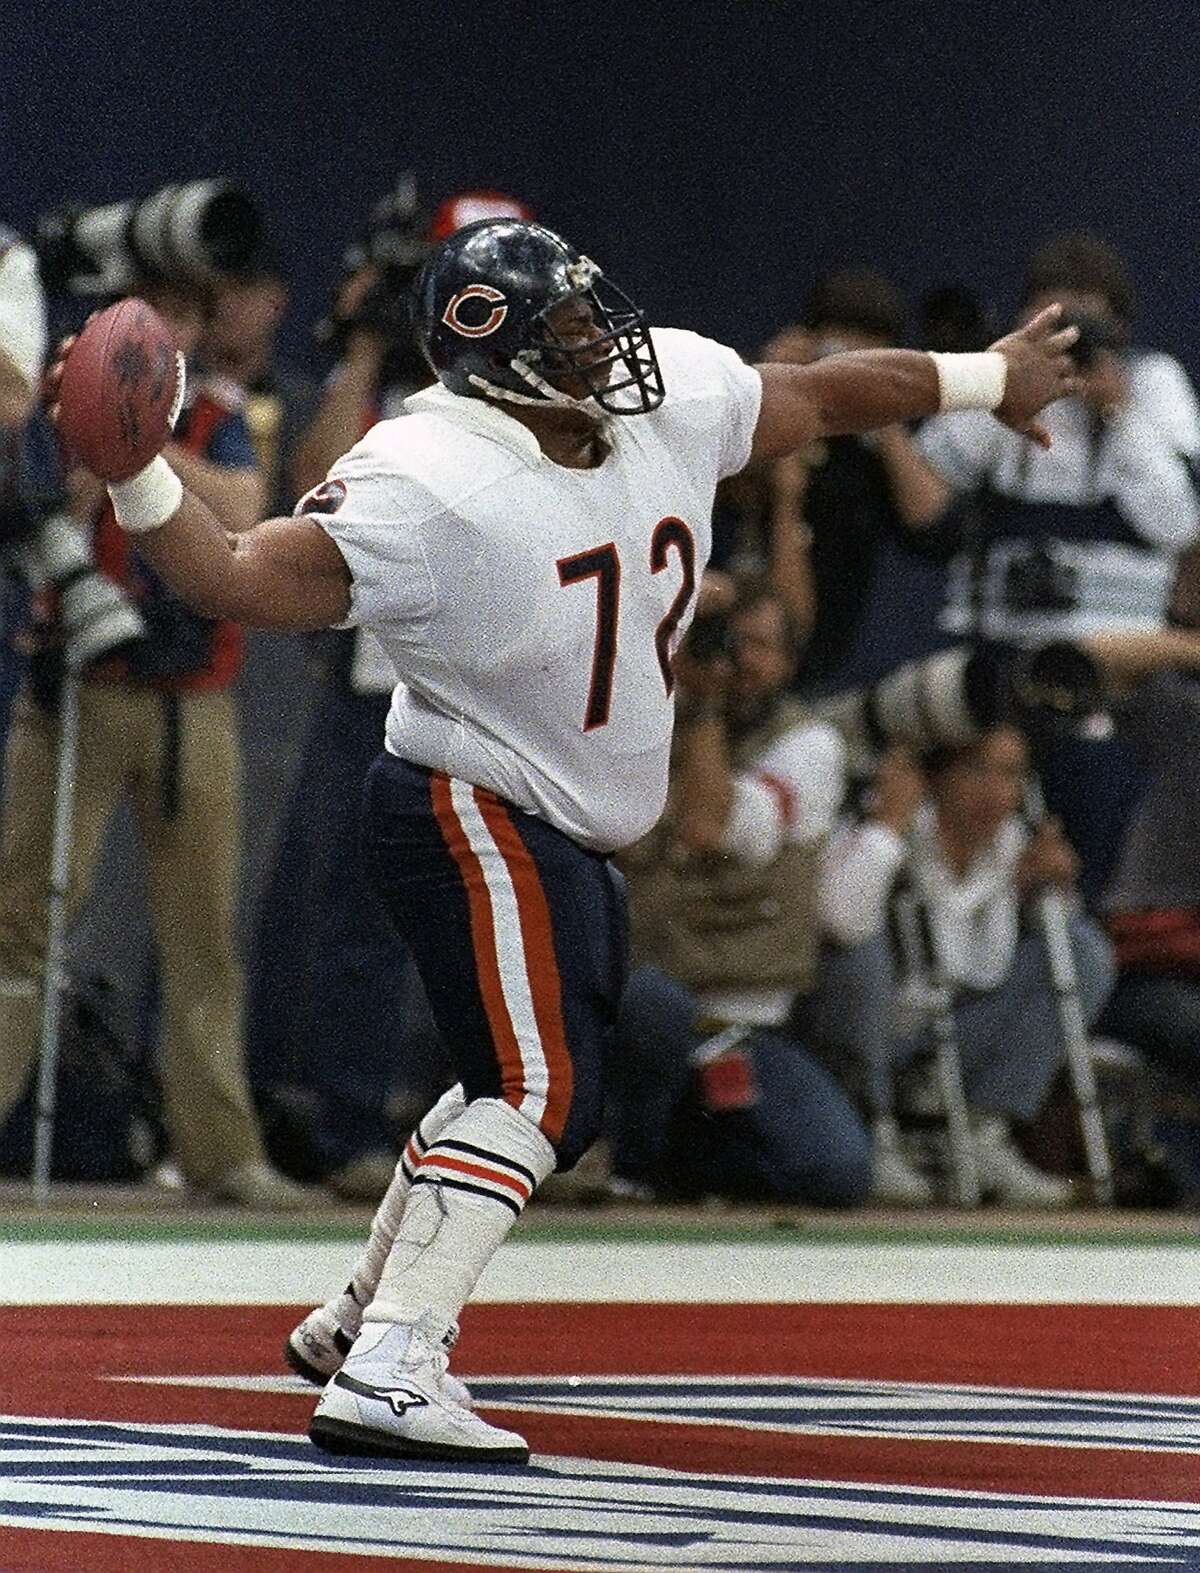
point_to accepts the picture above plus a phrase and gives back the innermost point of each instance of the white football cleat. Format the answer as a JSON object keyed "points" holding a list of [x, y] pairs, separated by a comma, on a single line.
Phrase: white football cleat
{"points": [[317, 1346], [389, 1400]]}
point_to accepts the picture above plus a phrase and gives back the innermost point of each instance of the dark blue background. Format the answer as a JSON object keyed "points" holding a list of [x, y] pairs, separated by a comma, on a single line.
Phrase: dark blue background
{"points": [[713, 156]]}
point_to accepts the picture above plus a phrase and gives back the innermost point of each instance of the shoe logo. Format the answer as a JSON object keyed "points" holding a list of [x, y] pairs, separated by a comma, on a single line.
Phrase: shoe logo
{"points": [[399, 1399]]}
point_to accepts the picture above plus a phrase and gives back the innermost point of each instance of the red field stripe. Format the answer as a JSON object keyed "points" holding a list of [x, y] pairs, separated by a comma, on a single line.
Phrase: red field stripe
{"points": [[1130, 1349], [868, 1460], [1097, 1348], [54, 1550], [1100, 1348]]}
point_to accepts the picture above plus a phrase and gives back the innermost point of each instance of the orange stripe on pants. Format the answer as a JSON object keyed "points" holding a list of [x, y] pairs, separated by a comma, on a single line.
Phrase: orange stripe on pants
{"points": [[537, 939], [483, 942]]}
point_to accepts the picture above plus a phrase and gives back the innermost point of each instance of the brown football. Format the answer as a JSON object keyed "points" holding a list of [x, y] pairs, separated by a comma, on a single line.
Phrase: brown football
{"points": [[118, 387]]}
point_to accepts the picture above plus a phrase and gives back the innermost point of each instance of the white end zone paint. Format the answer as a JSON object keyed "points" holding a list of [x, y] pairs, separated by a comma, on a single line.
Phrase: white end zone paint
{"points": [[275, 1272]]}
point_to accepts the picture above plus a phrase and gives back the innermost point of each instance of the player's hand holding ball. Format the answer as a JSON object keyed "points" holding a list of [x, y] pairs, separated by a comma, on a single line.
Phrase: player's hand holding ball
{"points": [[114, 393]]}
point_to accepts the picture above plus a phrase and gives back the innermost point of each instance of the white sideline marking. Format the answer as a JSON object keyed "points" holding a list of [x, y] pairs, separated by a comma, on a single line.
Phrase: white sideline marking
{"points": [[263, 1272]]}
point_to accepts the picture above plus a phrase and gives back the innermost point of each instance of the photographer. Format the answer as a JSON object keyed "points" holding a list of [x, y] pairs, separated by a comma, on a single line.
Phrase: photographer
{"points": [[156, 725], [22, 351], [22, 331], [951, 825], [1081, 537], [866, 508], [1152, 903], [370, 325], [717, 1093], [186, 232], [239, 342], [1111, 502], [1152, 909]]}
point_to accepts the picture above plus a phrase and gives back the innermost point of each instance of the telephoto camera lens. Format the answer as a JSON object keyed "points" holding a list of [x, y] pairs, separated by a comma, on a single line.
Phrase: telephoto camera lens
{"points": [[948, 699], [97, 618], [185, 234]]}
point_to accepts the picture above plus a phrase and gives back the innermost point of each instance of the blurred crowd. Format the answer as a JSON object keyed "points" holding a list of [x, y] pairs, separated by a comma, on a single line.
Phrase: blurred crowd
{"points": [[921, 923]]}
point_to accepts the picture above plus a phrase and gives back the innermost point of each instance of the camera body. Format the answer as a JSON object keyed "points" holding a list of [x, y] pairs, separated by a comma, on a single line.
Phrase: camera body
{"points": [[395, 242], [96, 618], [1037, 580], [46, 548], [710, 637], [1097, 335]]}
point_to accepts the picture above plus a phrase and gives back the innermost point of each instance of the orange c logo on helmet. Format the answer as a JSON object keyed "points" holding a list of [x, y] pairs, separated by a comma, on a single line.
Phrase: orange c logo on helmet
{"points": [[452, 316]]}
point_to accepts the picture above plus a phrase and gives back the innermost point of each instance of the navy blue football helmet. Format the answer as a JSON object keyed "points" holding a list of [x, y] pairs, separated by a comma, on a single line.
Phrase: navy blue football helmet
{"points": [[481, 301]]}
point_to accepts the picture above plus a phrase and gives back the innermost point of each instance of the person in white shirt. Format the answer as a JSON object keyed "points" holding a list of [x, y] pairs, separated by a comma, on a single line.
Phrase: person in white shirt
{"points": [[22, 330], [1081, 538], [22, 357], [525, 542], [973, 866], [1110, 505]]}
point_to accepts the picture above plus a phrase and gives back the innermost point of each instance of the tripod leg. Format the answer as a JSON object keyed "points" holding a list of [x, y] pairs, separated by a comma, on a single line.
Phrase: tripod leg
{"points": [[1064, 978], [920, 954], [948, 1066], [56, 938]]}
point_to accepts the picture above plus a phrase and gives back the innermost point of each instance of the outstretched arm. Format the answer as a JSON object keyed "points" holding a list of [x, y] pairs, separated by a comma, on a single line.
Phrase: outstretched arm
{"points": [[283, 573], [863, 389]]}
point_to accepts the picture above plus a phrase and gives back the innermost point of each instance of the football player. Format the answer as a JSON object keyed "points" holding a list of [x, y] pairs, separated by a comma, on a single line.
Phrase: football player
{"points": [[526, 542]]}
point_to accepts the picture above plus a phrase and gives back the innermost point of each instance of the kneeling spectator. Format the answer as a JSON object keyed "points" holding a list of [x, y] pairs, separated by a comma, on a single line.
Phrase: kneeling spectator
{"points": [[973, 867], [718, 1092]]}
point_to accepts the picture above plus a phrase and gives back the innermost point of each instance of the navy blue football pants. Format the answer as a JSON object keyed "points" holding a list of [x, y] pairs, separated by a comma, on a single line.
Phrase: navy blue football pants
{"points": [[518, 934]]}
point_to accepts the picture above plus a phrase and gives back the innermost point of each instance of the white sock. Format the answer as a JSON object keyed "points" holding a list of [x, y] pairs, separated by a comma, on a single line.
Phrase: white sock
{"points": [[469, 1189], [364, 1280]]}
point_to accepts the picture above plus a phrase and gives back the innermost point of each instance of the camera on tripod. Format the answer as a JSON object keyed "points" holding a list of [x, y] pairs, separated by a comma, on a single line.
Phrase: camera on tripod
{"points": [[191, 235]]}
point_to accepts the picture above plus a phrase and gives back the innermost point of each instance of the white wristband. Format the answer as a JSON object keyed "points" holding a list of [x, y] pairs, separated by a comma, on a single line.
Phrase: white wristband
{"points": [[148, 499], [971, 382]]}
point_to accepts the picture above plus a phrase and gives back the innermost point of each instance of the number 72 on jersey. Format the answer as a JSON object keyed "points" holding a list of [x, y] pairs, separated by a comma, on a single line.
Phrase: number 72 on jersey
{"points": [[603, 564]]}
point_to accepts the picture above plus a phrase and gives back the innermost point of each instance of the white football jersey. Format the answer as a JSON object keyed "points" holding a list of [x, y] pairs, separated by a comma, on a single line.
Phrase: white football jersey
{"points": [[530, 610]]}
